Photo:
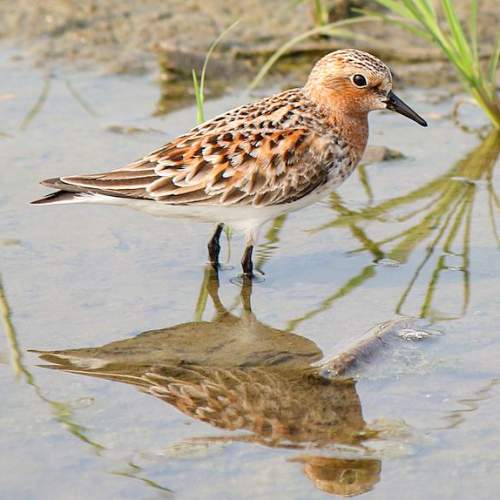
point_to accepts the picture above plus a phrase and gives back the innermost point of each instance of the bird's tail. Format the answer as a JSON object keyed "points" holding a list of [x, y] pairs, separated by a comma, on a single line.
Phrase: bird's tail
{"points": [[59, 197], [64, 195]]}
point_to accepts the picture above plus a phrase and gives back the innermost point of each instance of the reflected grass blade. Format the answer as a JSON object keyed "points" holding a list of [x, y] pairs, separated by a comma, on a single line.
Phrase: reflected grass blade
{"points": [[365, 274], [428, 254], [201, 301], [37, 107], [363, 178], [79, 98], [62, 411], [134, 472], [450, 200], [427, 310], [12, 336], [491, 211], [272, 237]]}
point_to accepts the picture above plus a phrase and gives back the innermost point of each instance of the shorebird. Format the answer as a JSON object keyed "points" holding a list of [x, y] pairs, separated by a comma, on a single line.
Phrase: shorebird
{"points": [[255, 162]]}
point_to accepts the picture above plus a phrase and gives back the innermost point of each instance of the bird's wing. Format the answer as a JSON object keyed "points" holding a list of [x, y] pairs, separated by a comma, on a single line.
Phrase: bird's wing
{"points": [[265, 153], [236, 167]]}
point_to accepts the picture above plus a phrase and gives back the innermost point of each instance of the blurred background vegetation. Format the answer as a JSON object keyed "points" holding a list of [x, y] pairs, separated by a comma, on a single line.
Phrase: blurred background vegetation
{"points": [[130, 36]]}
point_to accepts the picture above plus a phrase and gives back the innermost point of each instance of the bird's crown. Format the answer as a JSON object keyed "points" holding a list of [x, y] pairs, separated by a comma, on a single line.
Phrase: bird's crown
{"points": [[343, 64]]}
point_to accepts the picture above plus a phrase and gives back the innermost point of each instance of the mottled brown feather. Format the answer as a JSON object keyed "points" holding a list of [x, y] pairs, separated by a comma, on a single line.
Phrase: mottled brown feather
{"points": [[270, 152]]}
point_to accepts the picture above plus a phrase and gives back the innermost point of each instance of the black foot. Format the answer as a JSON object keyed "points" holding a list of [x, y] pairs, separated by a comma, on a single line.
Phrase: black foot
{"points": [[214, 247], [246, 262]]}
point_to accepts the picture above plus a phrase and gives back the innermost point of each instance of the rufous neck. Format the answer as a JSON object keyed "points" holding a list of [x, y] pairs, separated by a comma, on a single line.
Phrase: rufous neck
{"points": [[343, 115]]}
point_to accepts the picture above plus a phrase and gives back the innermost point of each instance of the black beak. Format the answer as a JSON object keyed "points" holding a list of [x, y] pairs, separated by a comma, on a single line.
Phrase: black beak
{"points": [[394, 103]]}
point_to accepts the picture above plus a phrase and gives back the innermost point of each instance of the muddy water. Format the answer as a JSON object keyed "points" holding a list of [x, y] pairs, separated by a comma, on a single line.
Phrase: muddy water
{"points": [[232, 408]]}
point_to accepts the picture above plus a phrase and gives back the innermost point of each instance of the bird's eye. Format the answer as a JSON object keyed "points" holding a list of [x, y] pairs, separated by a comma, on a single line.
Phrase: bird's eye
{"points": [[359, 80]]}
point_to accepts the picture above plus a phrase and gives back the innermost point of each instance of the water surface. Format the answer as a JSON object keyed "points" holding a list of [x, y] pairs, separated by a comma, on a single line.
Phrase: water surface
{"points": [[415, 236]]}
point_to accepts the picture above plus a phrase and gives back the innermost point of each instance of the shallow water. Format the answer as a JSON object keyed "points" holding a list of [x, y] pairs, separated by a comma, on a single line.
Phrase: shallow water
{"points": [[414, 236]]}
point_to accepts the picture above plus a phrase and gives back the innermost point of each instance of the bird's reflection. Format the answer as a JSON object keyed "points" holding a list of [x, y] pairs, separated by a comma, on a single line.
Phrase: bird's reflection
{"points": [[239, 374], [227, 341]]}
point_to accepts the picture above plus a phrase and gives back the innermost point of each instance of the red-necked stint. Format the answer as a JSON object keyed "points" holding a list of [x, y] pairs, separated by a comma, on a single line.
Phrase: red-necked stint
{"points": [[255, 162]]}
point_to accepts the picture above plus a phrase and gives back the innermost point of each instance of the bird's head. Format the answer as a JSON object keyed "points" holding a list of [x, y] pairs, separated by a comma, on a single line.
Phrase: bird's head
{"points": [[353, 82]]}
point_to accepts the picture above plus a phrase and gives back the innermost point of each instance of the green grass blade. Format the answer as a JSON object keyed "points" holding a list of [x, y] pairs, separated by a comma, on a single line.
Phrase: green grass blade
{"points": [[333, 29], [473, 33], [320, 13], [407, 24], [199, 86], [210, 51], [458, 38], [428, 18], [198, 95], [421, 13], [461, 49], [430, 8], [493, 63], [396, 7]]}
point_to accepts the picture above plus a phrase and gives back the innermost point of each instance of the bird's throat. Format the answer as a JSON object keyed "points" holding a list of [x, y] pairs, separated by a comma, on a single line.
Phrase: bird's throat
{"points": [[343, 115], [354, 130]]}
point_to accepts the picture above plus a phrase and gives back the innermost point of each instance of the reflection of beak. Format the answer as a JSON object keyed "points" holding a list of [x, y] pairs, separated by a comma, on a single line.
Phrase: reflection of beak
{"points": [[394, 103]]}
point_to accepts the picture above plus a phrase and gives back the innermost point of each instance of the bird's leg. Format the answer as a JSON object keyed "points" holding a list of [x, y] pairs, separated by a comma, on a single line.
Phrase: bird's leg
{"points": [[214, 247], [251, 236], [246, 262]]}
